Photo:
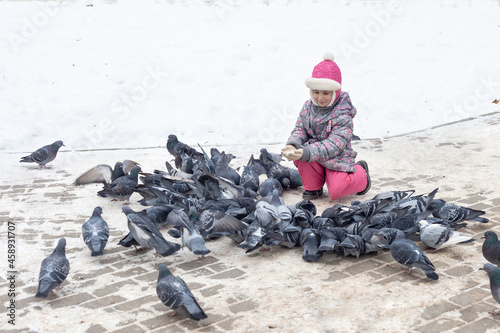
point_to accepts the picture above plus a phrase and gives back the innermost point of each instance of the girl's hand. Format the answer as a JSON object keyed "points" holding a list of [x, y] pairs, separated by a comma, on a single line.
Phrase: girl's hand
{"points": [[291, 153]]}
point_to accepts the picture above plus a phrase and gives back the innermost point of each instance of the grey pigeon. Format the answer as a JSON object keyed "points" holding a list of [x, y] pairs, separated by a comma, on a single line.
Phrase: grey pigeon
{"points": [[455, 213], [95, 232], [438, 236], [415, 204], [494, 275], [43, 155], [54, 270], [491, 247], [103, 173], [213, 223], [407, 253], [174, 293], [123, 187], [144, 231], [268, 186], [191, 236]]}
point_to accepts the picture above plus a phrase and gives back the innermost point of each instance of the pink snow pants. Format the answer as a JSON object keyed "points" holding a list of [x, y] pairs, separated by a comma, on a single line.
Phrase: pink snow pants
{"points": [[339, 184]]}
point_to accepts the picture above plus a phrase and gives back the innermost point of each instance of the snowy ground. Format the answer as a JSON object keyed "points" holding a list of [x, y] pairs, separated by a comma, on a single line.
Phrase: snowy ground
{"points": [[127, 73]]}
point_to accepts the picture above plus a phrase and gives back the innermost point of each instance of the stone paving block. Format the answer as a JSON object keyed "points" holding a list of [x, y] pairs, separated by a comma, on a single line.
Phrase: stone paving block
{"points": [[472, 200], [336, 275], [470, 296], [362, 267], [243, 306], [164, 320], [106, 259], [480, 326], [231, 274], [149, 277], [214, 290], [471, 313], [103, 302], [71, 300], [459, 271], [130, 273], [92, 274], [435, 310], [194, 264], [201, 272], [227, 325], [129, 329], [137, 303], [170, 329], [96, 329], [440, 326]]}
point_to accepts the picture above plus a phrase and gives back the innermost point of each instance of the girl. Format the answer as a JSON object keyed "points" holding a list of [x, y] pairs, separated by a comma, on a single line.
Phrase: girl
{"points": [[320, 143]]}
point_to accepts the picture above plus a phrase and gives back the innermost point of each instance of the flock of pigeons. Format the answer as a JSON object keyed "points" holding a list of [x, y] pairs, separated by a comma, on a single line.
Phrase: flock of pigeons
{"points": [[203, 197]]}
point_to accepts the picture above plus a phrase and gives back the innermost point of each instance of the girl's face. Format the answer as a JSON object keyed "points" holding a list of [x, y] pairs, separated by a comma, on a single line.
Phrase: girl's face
{"points": [[322, 97]]}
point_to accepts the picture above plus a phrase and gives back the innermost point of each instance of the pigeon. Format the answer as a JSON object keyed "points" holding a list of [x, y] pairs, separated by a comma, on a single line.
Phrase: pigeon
{"points": [[123, 187], [250, 180], [145, 232], [438, 236], [95, 233], [353, 245], [174, 293], [191, 236], [103, 173], [494, 275], [43, 155], [407, 253], [267, 156], [310, 242], [213, 223], [278, 172], [267, 186], [415, 204], [54, 270], [223, 170], [491, 247], [175, 147], [455, 213]]}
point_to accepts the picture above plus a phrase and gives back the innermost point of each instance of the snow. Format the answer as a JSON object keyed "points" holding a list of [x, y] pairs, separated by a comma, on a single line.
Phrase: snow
{"points": [[127, 74]]}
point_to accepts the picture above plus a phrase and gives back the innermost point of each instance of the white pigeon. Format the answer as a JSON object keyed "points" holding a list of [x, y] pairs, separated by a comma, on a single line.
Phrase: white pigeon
{"points": [[438, 236]]}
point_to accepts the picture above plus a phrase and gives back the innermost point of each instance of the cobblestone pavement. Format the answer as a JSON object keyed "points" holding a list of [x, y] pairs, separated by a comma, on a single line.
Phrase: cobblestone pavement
{"points": [[261, 291]]}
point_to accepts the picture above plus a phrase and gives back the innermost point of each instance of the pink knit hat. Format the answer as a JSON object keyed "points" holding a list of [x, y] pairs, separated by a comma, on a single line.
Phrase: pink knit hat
{"points": [[326, 76]]}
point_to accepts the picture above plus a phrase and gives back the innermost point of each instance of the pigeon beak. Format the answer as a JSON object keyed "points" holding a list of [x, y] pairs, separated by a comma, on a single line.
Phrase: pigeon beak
{"points": [[481, 269]]}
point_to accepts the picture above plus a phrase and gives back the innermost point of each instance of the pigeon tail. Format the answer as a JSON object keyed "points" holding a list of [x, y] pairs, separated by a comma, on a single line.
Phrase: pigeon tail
{"points": [[431, 274]]}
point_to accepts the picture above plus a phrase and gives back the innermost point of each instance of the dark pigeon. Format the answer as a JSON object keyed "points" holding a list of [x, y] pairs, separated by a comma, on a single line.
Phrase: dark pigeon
{"points": [[407, 253], [123, 187], [494, 275], [95, 233], [43, 155], [223, 170], [145, 232], [491, 247], [267, 156], [310, 241], [54, 270], [174, 293]]}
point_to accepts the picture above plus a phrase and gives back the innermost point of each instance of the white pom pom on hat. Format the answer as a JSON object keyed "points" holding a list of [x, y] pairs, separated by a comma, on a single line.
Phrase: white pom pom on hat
{"points": [[326, 75], [328, 56]]}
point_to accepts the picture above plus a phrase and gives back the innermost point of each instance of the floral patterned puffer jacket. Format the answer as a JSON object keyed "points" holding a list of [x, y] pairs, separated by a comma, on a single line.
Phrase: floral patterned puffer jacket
{"points": [[327, 135]]}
